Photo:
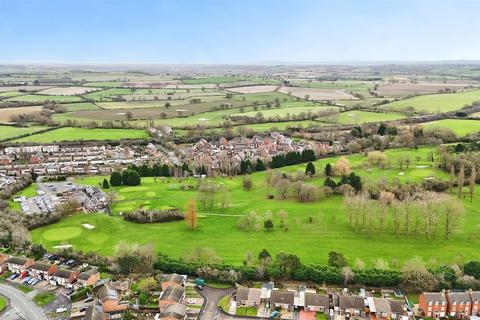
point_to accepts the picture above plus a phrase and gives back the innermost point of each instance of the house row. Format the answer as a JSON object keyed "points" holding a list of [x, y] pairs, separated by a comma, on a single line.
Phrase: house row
{"points": [[48, 272], [309, 300], [450, 304], [172, 299]]}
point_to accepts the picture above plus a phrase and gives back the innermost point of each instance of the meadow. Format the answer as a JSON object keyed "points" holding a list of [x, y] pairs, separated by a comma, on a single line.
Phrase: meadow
{"points": [[42, 98], [311, 241], [9, 132], [461, 127], [77, 134], [357, 117], [289, 108], [6, 113], [435, 103]]}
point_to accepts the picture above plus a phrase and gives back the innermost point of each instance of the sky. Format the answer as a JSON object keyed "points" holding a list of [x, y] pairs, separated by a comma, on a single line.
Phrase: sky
{"points": [[238, 31]]}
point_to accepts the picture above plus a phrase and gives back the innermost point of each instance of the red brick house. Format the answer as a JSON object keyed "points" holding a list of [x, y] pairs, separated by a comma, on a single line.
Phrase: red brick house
{"points": [[433, 304], [85, 279], [19, 264], [459, 304]]}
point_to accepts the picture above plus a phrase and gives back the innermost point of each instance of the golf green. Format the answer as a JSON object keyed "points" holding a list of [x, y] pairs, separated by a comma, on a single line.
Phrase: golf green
{"points": [[65, 233]]}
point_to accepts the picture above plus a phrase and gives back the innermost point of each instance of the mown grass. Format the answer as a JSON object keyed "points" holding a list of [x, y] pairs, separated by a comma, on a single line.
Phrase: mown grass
{"points": [[311, 241], [358, 117], [77, 134], [3, 303], [44, 298], [461, 127], [8, 132]]}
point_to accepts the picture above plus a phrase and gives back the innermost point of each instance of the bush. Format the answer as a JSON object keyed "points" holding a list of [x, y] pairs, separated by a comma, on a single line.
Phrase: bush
{"points": [[472, 268], [153, 216]]}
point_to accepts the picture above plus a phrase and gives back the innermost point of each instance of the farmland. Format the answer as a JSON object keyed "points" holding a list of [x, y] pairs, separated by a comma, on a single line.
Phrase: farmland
{"points": [[356, 117], [461, 127], [41, 98], [328, 230], [8, 132], [403, 90], [67, 91], [6, 113], [434, 103], [76, 134], [316, 94]]}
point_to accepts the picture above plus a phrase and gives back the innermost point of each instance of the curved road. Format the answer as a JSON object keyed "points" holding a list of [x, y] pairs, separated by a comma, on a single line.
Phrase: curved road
{"points": [[20, 305]]}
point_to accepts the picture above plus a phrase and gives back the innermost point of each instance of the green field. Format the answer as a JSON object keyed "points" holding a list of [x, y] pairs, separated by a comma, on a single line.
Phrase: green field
{"points": [[461, 127], [311, 241], [9, 132], [76, 134], [41, 98], [80, 106], [288, 108], [3, 303], [357, 117], [435, 103]]}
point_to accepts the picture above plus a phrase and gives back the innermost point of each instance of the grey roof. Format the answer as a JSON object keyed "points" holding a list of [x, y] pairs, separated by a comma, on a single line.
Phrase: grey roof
{"points": [[396, 306], [242, 294], [107, 293], [283, 297], [315, 299], [459, 297], [382, 305], [176, 311], [176, 278], [84, 276], [17, 260], [41, 266], [351, 302], [172, 293], [61, 273], [93, 313], [475, 295], [434, 297]]}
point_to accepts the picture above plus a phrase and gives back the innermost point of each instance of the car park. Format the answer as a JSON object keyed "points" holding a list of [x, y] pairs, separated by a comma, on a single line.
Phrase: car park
{"points": [[31, 281], [14, 276], [26, 280], [35, 282]]}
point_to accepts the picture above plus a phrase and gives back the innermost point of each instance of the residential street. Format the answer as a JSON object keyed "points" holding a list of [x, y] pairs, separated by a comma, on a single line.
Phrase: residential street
{"points": [[21, 307]]}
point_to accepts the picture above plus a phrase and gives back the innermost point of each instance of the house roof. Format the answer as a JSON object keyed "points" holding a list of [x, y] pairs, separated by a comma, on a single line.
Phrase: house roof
{"points": [[17, 260], [284, 297], [172, 293], [351, 302], [106, 293], [41, 266], [254, 295], [175, 311], [315, 299], [382, 305], [94, 313], [396, 306], [242, 294], [434, 297], [61, 273], [459, 297], [3, 258], [84, 276], [175, 278]]}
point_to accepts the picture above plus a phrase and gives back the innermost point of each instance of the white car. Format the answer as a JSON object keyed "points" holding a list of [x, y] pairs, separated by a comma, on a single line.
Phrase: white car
{"points": [[60, 310]]}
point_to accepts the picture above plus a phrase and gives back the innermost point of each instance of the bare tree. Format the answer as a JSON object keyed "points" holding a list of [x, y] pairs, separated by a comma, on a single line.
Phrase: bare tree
{"points": [[471, 185], [461, 180]]}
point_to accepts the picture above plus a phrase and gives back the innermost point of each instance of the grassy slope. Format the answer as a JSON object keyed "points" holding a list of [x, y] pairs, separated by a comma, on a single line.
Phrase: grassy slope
{"points": [[7, 132], [310, 241], [437, 102], [461, 127], [73, 134]]}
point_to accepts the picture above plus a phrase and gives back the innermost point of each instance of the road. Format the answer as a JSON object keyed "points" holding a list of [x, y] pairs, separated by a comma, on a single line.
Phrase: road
{"points": [[21, 307]]}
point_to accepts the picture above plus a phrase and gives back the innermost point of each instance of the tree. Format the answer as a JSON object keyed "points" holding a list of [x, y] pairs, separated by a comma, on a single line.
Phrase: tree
{"points": [[347, 275], [259, 165], [268, 224], [329, 182], [105, 184], [415, 276], [247, 183], [264, 254], [342, 166], [337, 259], [471, 185], [472, 268], [116, 178], [328, 170], [452, 211], [283, 186], [223, 197], [287, 263], [38, 251], [191, 215], [461, 180], [452, 178], [310, 169], [131, 177], [382, 129], [147, 284]]}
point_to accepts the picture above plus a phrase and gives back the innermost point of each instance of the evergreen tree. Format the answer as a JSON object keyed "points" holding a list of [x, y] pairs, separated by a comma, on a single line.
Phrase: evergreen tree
{"points": [[260, 166], [329, 182], [105, 184], [131, 178], [264, 254], [310, 169], [382, 129], [165, 171], [115, 178], [156, 172], [308, 155], [328, 170]]}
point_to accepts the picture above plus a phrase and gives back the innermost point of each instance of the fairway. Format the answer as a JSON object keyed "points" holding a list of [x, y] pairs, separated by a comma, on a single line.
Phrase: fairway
{"points": [[434, 103], [76, 134], [311, 241], [357, 117], [461, 127], [9, 132]]}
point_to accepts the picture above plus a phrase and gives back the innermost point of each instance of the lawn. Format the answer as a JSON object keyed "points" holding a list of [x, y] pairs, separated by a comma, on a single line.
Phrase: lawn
{"points": [[461, 127], [44, 298], [41, 98], [310, 240], [9, 132], [357, 117], [246, 311], [3, 303], [76, 134], [435, 103]]}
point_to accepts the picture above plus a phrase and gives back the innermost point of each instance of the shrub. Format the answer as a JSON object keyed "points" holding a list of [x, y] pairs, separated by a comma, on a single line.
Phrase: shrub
{"points": [[153, 216]]}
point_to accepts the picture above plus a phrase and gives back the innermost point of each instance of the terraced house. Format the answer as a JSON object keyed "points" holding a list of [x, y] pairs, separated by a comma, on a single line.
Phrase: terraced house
{"points": [[433, 304]]}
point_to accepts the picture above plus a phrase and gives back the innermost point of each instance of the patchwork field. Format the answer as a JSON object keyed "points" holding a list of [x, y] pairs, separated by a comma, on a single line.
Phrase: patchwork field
{"points": [[317, 94], [435, 103], [461, 127], [41, 98], [67, 91], [6, 113], [253, 89], [27, 88], [311, 241], [286, 110], [8, 132], [403, 90], [80, 106], [357, 117], [76, 134]]}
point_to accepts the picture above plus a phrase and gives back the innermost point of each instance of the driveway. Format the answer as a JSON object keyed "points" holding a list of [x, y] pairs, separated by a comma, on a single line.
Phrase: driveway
{"points": [[21, 307]]}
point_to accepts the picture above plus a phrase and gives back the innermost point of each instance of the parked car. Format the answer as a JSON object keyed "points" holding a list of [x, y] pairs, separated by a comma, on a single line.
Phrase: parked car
{"points": [[26, 280], [14, 276], [31, 280], [88, 299], [69, 292], [35, 282], [60, 310], [83, 309]]}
